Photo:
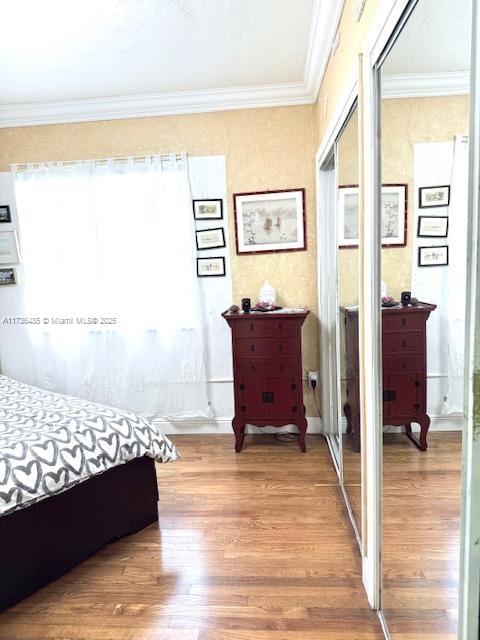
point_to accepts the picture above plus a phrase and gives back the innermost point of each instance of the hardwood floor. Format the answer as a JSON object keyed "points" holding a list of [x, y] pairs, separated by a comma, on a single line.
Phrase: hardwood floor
{"points": [[253, 546], [421, 536]]}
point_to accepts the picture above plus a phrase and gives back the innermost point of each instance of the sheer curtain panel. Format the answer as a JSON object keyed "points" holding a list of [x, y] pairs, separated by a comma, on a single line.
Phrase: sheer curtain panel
{"points": [[109, 260]]}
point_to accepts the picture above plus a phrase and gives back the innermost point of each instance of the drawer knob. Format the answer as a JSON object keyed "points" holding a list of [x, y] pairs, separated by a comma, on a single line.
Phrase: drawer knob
{"points": [[404, 343], [280, 347], [251, 326], [404, 321], [242, 408], [281, 367], [252, 347], [417, 383], [294, 386], [242, 387], [294, 408], [253, 367]]}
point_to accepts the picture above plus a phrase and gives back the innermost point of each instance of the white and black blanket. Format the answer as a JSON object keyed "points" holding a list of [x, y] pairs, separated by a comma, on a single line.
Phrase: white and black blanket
{"points": [[50, 442]]}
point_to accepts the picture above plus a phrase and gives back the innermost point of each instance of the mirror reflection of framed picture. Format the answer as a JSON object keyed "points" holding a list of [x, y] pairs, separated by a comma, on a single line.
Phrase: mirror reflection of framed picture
{"points": [[394, 215], [8, 276], [432, 227], [5, 215], [9, 248], [434, 197], [433, 256]]}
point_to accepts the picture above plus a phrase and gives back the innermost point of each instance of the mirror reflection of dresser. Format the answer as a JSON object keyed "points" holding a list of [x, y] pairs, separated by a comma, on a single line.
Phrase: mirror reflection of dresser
{"points": [[404, 360]]}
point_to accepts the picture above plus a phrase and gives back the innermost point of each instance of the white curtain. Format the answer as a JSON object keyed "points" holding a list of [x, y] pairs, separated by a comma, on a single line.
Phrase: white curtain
{"points": [[110, 247], [444, 163]]}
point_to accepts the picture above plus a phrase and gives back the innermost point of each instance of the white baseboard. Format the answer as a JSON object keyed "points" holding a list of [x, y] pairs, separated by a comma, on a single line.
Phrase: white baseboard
{"points": [[224, 426], [438, 423]]}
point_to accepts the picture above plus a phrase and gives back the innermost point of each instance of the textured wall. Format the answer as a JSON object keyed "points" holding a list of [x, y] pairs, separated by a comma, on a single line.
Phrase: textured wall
{"points": [[264, 149]]}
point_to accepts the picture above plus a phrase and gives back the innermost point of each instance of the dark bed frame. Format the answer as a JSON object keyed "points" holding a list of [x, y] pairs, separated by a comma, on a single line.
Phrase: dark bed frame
{"points": [[41, 542]]}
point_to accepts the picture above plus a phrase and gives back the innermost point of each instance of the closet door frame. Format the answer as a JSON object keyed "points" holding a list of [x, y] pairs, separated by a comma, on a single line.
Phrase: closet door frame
{"points": [[329, 347]]}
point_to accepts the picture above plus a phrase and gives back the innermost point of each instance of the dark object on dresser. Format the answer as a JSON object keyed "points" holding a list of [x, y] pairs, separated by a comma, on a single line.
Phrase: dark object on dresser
{"points": [[246, 305], [42, 542], [267, 365], [404, 349]]}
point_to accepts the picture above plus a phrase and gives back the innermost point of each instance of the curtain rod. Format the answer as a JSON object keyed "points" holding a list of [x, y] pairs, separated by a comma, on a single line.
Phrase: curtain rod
{"points": [[164, 157]]}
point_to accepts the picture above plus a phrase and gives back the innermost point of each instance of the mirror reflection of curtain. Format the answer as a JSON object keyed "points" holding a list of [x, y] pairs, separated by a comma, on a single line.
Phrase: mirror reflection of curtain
{"points": [[111, 240], [444, 163]]}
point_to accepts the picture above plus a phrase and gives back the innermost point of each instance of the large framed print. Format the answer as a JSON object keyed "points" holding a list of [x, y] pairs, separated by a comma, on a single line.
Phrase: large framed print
{"points": [[270, 221], [393, 215], [9, 248]]}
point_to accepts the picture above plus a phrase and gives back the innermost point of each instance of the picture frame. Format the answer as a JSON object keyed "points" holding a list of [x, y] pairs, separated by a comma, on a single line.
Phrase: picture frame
{"points": [[429, 197], [213, 267], [208, 209], [8, 276], [432, 227], [394, 215], [9, 253], [5, 214], [210, 238], [270, 221], [433, 256]]}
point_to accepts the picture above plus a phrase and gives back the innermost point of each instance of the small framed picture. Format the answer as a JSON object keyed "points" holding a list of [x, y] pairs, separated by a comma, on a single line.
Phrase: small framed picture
{"points": [[270, 221], [432, 227], [5, 215], [434, 197], [432, 256], [210, 267], [208, 209], [8, 276], [210, 239], [8, 248]]}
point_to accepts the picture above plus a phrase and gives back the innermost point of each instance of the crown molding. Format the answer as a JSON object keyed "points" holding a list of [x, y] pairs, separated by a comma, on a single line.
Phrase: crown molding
{"points": [[325, 19], [424, 85]]}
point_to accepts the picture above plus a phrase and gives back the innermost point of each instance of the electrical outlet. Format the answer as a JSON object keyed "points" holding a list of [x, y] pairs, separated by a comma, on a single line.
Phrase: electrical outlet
{"points": [[312, 377]]}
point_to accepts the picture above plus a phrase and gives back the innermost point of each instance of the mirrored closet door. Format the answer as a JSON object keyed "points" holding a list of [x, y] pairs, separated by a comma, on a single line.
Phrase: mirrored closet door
{"points": [[347, 312], [424, 215]]}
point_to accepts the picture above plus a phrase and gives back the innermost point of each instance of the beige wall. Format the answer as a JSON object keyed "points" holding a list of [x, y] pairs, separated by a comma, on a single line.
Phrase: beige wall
{"points": [[265, 149], [404, 123]]}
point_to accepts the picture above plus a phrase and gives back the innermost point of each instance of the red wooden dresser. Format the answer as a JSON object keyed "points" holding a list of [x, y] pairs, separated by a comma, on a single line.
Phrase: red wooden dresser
{"points": [[404, 355], [267, 370]]}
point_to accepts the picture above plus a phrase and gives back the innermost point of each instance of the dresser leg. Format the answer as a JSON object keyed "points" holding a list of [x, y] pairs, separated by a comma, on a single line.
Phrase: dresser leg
{"points": [[302, 430], [421, 443], [239, 430]]}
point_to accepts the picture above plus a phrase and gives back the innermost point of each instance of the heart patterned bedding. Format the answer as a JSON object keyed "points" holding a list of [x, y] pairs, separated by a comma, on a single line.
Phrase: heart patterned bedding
{"points": [[50, 442]]}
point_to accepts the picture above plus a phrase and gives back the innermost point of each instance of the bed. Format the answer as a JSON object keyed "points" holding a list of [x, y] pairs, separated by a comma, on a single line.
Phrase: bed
{"points": [[74, 475]]}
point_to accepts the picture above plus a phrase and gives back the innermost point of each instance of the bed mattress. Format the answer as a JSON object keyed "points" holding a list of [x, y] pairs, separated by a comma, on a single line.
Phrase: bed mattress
{"points": [[50, 442]]}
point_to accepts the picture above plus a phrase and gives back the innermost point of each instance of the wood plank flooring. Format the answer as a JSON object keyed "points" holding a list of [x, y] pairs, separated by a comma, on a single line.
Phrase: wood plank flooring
{"points": [[250, 546], [421, 536]]}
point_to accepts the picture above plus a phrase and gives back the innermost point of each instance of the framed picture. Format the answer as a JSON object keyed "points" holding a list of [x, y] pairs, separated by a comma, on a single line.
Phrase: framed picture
{"points": [[8, 276], [208, 209], [394, 215], [210, 267], [5, 215], [432, 256], [210, 238], [8, 248], [433, 197], [432, 227], [268, 221]]}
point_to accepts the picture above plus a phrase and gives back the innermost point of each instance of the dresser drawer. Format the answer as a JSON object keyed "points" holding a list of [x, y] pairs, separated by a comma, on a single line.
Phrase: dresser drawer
{"points": [[406, 321], [403, 342], [403, 363], [274, 347], [278, 368], [260, 327]]}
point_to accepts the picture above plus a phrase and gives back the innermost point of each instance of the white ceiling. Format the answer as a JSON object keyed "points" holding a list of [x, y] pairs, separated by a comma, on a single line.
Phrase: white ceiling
{"points": [[436, 39], [122, 55]]}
